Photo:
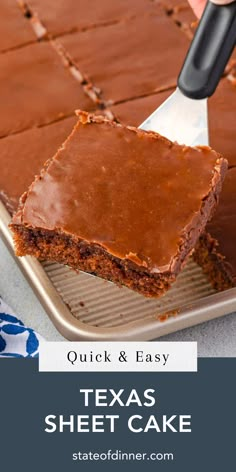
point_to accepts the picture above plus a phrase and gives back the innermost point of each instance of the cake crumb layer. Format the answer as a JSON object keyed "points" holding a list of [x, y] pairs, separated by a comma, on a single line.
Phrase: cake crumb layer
{"points": [[215, 251]]}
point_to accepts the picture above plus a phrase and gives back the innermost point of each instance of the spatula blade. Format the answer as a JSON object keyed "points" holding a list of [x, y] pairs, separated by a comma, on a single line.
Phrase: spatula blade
{"points": [[180, 119]]}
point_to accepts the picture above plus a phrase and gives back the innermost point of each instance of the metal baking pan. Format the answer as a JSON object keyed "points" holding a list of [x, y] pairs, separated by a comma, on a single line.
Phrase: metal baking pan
{"points": [[84, 307]]}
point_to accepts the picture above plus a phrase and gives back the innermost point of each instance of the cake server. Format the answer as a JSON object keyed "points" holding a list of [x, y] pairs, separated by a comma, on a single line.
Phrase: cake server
{"points": [[183, 116]]}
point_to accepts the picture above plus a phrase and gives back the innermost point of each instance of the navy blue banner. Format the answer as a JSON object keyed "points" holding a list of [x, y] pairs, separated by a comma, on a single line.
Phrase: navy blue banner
{"points": [[102, 421]]}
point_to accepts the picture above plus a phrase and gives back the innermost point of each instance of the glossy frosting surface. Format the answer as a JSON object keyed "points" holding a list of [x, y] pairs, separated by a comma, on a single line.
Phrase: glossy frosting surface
{"points": [[15, 29], [126, 59], [35, 88], [22, 156], [132, 192], [62, 16]]}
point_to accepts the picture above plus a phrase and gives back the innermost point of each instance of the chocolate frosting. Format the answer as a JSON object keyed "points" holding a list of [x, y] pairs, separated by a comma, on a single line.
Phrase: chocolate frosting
{"points": [[135, 193], [222, 120], [130, 58], [23, 155], [15, 29], [35, 89], [62, 16]]}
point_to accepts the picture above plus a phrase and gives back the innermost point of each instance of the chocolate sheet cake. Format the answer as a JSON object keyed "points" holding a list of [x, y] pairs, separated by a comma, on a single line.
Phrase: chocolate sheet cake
{"points": [[15, 30], [222, 120], [131, 62], [182, 14], [216, 249], [64, 16], [121, 203], [38, 90], [22, 156], [35, 89]]}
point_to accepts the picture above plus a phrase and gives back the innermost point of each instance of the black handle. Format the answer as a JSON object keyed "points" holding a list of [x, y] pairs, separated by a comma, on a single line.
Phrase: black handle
{"points": [[209, 52]]}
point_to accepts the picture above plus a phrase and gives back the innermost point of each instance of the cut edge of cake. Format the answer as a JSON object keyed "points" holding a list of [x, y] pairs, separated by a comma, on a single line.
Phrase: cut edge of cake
{"points": [[213, 263]]}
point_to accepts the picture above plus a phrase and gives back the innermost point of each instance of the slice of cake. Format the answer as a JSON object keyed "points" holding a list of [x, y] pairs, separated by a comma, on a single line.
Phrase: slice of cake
{"points": [[121, 203]]}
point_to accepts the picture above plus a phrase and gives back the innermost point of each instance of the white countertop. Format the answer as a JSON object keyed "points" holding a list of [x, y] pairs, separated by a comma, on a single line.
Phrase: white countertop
{"points": [[215, 338]]}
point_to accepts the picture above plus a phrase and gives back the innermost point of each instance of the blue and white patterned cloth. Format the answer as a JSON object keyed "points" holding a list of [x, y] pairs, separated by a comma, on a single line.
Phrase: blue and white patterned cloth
{"points": [[16, 340]]}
